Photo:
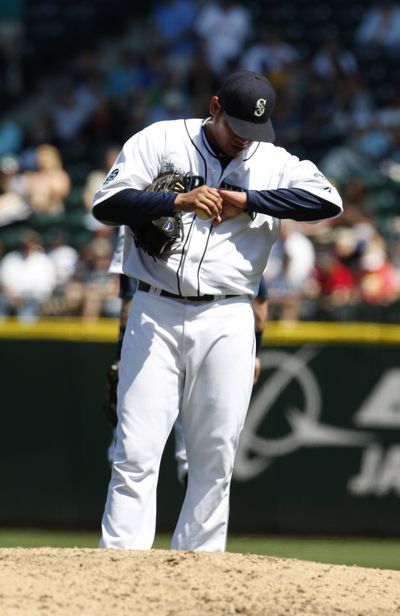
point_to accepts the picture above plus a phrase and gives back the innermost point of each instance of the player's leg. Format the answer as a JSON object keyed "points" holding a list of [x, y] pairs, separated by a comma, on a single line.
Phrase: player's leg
{"points": [[148, 402], [219, 377]]}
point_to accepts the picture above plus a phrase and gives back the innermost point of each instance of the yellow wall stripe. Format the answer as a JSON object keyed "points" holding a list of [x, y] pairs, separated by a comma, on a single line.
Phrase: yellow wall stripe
{"points": [[330, 333], [101, 330], [282, 332]]}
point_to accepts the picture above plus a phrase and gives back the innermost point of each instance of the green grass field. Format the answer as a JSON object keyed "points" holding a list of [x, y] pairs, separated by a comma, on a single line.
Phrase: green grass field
{"points": [[378, 553]]}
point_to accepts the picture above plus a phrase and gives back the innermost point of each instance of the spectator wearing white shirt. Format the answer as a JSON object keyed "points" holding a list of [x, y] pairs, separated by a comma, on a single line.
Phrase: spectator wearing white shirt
{"points": [[172, 24], [224, 27], [290, 266], [64, 257], [270, 53], [27, 278]]}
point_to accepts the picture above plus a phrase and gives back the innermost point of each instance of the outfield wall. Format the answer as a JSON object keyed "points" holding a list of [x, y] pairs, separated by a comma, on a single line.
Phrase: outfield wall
{"points": [[320, 451]]}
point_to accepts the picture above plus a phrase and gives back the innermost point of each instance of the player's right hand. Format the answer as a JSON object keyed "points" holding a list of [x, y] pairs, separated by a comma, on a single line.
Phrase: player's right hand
{"points": [[204, 199]]}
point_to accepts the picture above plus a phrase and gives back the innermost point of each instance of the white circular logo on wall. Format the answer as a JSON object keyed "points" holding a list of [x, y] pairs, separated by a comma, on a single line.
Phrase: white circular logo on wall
{"points": [[256, 452]]}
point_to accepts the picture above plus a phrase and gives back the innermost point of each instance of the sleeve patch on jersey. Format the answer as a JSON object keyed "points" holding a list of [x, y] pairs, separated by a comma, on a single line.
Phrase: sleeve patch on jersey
{"points": [[324, 180], [320, 175], [111, 176]]}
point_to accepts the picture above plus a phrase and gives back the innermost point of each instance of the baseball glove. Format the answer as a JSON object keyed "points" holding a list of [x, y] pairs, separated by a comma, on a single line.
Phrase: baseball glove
{"points": [[158, 236]]}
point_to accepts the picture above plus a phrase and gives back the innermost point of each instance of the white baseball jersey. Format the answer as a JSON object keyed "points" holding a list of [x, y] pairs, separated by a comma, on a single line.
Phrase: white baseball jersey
{"points": [[223, 259]]}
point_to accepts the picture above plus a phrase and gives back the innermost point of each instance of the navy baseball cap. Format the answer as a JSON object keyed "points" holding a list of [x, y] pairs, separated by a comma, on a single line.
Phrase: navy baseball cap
{"points": [[247, 99]]}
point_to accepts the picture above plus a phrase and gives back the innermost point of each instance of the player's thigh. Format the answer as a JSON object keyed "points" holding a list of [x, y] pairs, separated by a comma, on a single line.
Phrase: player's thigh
{"points": [[223, 363], [150, 380], [218, 387]]}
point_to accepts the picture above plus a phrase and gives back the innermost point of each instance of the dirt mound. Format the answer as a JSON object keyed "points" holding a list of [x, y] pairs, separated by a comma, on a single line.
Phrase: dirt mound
{"points": [[89, 582]]}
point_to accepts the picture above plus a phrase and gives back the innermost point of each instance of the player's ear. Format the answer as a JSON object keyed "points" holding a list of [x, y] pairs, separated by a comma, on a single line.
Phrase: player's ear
{"points": [[214, 106]]}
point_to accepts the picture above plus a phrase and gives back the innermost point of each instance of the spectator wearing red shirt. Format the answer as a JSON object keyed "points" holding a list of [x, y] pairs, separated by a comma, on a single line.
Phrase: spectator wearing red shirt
{"points": [[333, 286], [378, 279]]}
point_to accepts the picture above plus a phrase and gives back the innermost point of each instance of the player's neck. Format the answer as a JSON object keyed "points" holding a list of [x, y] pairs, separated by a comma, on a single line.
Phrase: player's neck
{"points": [[223, 158]]}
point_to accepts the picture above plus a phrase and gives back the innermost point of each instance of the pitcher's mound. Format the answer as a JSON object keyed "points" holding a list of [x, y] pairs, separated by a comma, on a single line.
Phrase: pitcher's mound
{"points": [[93, 582]]}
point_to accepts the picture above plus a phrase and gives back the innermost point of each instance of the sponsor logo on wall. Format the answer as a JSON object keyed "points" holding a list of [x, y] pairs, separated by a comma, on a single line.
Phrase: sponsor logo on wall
{"points": [[279, 424]]}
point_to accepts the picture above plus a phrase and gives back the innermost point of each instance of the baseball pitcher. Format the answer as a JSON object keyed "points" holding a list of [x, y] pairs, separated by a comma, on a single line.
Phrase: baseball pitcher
{"points": [[198, 250]]}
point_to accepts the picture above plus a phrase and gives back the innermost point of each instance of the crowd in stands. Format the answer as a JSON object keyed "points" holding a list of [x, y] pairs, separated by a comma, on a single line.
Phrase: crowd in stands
{"points": [[336, 73]]}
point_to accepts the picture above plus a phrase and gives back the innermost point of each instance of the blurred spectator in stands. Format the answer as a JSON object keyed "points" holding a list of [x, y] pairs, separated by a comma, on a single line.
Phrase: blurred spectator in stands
{"points": [[63, 256], [334, 67], [27, 279], [172, 106], [378, 32], [224, 27], [289, 125], [13, 205], [11, 134], [331, 291], [90, 292], [12, 40], [285, 299], [354, 194], [40, 131], [290, 265], [126, 74], [108, 122], [90, 92], [201, 82], [83, 65], [46, 186], [68, 116], [320, 108], [100, 289], [333, 63], [131, 114], [92, 184], [359, 155], [356, 102], [378, 280], [269, 54], [172, 24], [67, 296], [349, 244]]}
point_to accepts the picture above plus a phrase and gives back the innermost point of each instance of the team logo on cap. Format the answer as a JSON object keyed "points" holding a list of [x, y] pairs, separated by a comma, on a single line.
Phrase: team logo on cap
{"points": [[260, 108]]}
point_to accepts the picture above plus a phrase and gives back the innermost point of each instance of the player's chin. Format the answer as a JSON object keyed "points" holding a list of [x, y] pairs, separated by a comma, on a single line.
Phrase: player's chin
{"points": [[236, 150]]}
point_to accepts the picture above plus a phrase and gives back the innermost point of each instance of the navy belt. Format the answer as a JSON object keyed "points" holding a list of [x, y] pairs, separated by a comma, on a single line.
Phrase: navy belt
{"points": [[147, 288]]}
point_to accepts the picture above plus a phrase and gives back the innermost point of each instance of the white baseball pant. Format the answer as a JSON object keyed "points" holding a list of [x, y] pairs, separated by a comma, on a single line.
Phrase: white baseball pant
{"points": [[197, 358]]}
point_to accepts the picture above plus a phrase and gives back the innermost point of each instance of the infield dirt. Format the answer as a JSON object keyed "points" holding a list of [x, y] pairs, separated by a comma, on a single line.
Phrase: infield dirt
{"points": [[92, 582]]}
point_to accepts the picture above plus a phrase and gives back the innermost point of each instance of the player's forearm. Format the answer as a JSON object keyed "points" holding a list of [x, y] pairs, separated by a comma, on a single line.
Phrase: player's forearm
{"points": [[131, 206], [293, 203]]}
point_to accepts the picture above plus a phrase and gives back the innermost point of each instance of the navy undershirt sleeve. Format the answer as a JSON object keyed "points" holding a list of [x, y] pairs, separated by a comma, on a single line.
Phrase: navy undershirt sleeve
{"points": [[294, 203], [131, 206]]}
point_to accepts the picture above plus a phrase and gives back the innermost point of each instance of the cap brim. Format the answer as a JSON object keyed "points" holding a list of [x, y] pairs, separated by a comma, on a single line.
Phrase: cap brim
{"points": [[250, 130]]}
